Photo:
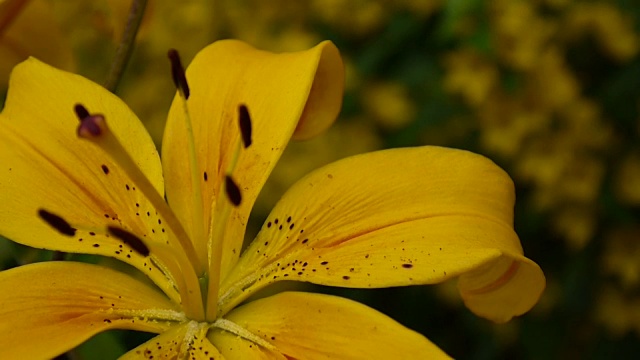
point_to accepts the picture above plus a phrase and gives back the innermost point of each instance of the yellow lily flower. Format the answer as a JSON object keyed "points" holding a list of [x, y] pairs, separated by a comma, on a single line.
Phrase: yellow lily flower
{"points": [[389, 218]]}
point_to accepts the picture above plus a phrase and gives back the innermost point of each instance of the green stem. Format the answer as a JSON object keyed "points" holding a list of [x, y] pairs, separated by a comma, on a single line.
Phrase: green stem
{"points": [[125, 48]]}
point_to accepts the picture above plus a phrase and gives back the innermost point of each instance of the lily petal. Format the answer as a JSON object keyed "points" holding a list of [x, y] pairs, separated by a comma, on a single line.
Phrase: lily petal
{"points": [[51, 307], [233, 346], [49, 176], [184, 341], [278, 90], [315, 326], [393, 218]]}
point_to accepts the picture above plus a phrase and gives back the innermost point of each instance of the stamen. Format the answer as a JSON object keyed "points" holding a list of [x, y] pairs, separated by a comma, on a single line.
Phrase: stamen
{"points": [[57, 223], [177, 71], [221, 212], [198, 228], [188, 287], [232, 190], [129, 239], [245, 125]]}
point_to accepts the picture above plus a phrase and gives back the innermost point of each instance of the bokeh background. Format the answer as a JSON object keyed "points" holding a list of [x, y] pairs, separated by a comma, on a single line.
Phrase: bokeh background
{"points": [[548, 89]]}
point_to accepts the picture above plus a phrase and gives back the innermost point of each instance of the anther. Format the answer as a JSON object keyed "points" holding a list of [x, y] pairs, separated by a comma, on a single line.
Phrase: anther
{"points": [[245, 124], [130, 239], [177, 72], [233, 191], [57, 222]]}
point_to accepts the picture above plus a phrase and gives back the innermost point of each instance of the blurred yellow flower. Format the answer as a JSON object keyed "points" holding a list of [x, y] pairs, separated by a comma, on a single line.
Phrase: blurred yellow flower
{"points": [[420, 8], [613, 30], [364, 16], [575, 223], [280, 25], [469, 75], [551, 85], [519, 32], [29, 28], [508, 127], [621, 254], [617, 312], [388, 103], [627, 179]]}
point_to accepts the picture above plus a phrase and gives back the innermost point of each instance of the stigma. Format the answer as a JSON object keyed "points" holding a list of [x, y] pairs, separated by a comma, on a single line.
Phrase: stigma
{"points": [[91, 126]]}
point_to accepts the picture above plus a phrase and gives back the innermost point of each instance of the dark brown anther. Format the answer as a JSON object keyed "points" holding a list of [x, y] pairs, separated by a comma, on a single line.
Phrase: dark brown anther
{"points": [[81, 111], [57, 222], [177, 72], [233, 191], [245, 124], [129, 239]]}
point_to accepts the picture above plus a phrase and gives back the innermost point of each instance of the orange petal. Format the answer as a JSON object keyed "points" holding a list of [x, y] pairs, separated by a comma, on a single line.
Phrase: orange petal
{"points": [[233, 346], [49, 308], [394, 218], [315, 326], [184, 341]]}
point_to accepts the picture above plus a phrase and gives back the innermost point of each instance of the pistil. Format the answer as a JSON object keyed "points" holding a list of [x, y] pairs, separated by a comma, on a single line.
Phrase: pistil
{"points": [[93, 127]]}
